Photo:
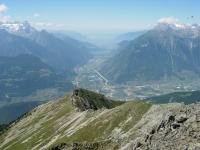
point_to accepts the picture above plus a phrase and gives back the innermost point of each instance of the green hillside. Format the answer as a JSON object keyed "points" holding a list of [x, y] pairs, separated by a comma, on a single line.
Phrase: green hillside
{"points": [[59, 123]]}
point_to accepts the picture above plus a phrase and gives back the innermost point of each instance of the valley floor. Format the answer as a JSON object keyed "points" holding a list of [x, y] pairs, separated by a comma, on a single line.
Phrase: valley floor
{"points": [[89, 77]]}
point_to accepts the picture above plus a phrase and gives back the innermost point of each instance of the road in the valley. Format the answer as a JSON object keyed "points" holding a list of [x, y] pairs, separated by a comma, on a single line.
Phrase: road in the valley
{"points": [[101, 76]]}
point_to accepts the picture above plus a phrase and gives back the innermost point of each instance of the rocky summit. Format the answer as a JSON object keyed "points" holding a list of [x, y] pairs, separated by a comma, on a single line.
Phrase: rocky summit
{"points": [[85, 100]]}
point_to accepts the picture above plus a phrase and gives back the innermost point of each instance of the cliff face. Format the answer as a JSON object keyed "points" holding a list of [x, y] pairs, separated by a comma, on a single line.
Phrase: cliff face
{"points": [[131, 125]]}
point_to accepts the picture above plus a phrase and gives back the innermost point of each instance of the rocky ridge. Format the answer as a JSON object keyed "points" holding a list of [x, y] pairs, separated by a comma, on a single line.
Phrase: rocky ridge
{"points": [[62, 124], [84, 100]]}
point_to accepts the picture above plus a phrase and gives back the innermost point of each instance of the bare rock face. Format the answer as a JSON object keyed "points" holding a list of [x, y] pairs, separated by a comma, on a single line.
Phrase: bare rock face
{"points": [[86, 100], [170, 126], [104, 145], [80, 101]]}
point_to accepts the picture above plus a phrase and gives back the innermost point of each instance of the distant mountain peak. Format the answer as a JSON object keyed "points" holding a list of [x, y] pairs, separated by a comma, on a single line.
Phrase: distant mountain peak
{"points": [[17, 27], [177, 26], [170, 22], [174, 45]]}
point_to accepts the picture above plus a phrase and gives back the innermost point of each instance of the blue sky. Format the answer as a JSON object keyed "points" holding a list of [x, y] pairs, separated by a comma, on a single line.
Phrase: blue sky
{"points": [[100, 15]]}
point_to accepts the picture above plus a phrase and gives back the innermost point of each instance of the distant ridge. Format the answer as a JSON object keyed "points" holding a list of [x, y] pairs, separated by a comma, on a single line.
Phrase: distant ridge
{"points": [[167, 51]]}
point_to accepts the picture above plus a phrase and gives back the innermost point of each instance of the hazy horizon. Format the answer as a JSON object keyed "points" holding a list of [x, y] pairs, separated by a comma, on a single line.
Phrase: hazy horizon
{"points": [[95, 17]]}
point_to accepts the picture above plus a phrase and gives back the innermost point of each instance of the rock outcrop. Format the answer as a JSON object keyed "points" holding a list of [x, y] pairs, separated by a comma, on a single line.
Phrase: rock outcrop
{"points": [[84, 100], [170, 126]]}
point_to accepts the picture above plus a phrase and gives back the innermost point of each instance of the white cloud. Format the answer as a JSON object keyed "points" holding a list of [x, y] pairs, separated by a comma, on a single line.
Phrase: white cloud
{"points": [[36, 15], [3, 8], [168, 20], [3, 17]]}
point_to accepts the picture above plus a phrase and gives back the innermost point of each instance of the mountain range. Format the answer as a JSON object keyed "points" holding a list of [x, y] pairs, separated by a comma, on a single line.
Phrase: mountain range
{"points": [[166, 51], [61, 54], [36, 66]]}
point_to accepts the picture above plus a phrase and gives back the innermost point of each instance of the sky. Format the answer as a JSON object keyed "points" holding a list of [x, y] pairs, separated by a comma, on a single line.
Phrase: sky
{"points": [[99, 15]]}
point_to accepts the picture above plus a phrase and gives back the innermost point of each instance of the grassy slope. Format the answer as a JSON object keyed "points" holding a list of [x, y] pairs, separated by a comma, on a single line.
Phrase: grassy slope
{"points": [[57, 122]]}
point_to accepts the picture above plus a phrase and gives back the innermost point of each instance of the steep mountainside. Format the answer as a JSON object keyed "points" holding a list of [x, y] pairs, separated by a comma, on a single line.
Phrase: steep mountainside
{"points": [[104, 124], [21, 38], [27, 78], [163, 52], [13, 45], [63, 53], [24, 74]]}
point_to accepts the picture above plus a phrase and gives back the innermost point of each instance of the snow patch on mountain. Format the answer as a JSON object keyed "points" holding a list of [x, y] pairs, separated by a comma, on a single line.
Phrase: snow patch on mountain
{"points": [[17, 27], [171, 22]]}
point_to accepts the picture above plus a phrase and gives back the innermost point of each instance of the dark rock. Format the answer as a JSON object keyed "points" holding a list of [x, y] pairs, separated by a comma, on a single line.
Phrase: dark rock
{"points": [[175, 125], [153, 131], [59, 147], [181, 119], [162, 125], [171, 119], [87, 100]]}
